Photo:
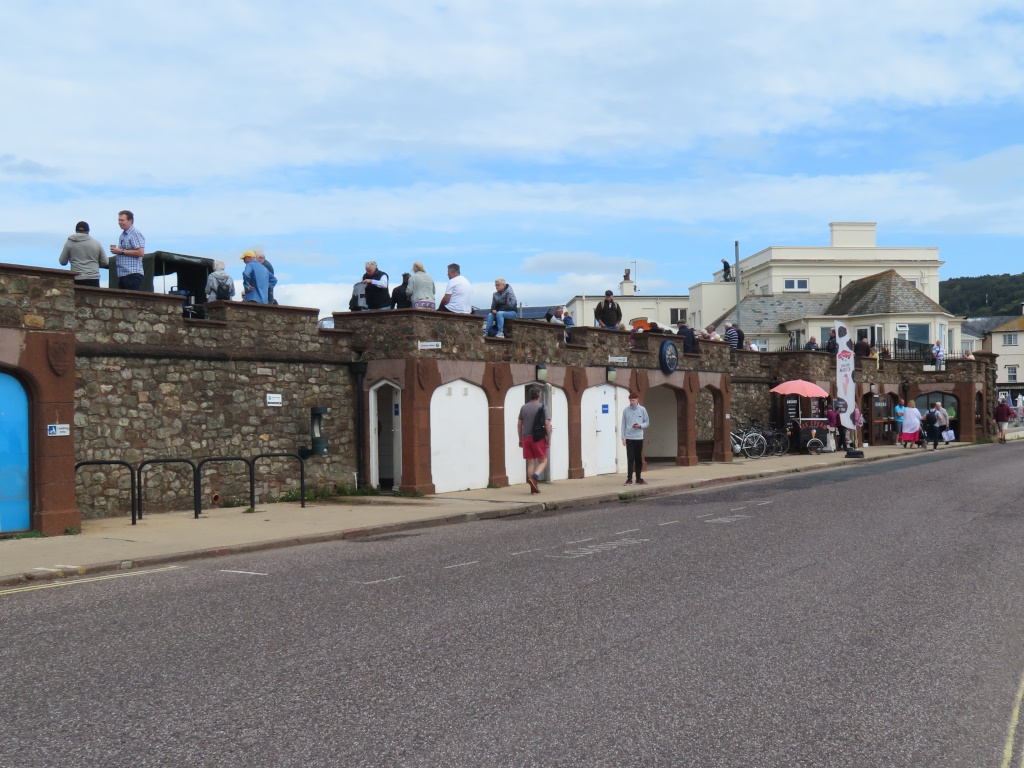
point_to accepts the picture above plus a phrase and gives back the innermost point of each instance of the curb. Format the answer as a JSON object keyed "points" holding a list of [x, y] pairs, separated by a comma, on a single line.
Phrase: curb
{"points": [[516, 510]]}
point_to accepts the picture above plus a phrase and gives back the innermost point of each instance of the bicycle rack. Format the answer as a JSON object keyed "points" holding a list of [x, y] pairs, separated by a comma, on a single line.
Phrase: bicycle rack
{"points": [[131, 476], [195, 479], [302, 470], [250, 463]]}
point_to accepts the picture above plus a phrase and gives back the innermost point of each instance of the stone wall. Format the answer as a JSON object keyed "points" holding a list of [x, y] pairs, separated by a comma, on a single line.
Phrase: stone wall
{"points": [[152, 384]]}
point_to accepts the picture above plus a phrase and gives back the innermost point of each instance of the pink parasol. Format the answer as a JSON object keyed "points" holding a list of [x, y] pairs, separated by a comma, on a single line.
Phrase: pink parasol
{"points": [[800, 387]]}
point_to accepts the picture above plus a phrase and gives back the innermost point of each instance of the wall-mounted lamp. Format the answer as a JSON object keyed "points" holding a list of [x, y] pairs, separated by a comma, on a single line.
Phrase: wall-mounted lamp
{"points": [[610, 372], [542, 372], [318, 442]]}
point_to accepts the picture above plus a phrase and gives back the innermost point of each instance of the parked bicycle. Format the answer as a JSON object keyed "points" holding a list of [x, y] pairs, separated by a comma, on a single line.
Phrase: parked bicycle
{"points": [[748, 441]]}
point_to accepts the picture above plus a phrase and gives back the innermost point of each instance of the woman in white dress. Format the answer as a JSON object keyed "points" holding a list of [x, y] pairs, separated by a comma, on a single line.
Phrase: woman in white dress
{"points": [[911, 425]]}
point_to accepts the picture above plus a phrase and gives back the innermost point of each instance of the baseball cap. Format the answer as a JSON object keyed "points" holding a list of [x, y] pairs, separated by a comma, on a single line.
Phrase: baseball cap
{"points": [[608, 293], [82, 226]]}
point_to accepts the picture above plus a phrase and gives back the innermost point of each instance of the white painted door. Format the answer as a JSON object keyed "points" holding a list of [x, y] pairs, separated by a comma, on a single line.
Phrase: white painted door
{"points": [[607, 434]]}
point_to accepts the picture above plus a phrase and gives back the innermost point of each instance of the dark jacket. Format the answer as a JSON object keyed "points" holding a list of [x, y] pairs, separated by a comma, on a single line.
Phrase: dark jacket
{"points": [[811, 346], [400, 297], [832, 345], [862, 348], [376, 297], [505, 301], [689, 339], [608, 313]]}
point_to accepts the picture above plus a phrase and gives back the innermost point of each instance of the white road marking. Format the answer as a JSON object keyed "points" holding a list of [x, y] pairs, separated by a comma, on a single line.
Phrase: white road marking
{"points": [[247, 573], [460, 565], [623, 533], [737, 509], [379, 581], [709, 514], [728, 519], [580, 541], [670, 522], [55, 584], [762, 503], [593, 549], [525, 551]]}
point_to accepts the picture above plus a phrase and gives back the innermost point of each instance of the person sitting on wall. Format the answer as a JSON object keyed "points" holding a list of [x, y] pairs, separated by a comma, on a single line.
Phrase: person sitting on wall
{"points": [[688, 336], [420, 288], [752, 346], [608, 314], [458, 294], [560, 316], [400, 296], [503, 306], [86, 256], [377, 295], [709, 334], [220, 286], [811, 345], [256, 280]]}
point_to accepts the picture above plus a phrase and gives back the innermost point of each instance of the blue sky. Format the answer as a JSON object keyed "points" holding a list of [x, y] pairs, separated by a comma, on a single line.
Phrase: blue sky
{"points": [[552, 143]]}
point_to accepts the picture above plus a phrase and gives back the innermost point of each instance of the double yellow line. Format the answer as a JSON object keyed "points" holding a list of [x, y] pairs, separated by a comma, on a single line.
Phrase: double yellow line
{"points": [[75, 582]]}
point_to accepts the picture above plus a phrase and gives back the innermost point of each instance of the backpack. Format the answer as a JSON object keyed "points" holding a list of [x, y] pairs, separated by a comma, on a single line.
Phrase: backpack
{"points": [[358, 300], [540, 430], [931, 418], [223, 292]]}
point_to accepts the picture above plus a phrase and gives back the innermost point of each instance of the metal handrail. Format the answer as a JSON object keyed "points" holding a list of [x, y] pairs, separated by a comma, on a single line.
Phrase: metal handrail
{"points": [[131, 477], [195, 479], [302, 470], [250, 463]]}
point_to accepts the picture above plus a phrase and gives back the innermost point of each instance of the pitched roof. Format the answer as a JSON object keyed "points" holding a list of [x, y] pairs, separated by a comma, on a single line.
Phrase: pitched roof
{"points": [[886, 293], [979, 326], [1014, 323], [772, 311]]}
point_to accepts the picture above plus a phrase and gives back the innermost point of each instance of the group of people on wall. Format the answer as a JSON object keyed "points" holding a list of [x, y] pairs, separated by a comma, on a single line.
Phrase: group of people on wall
{"points": [[86, 258]]}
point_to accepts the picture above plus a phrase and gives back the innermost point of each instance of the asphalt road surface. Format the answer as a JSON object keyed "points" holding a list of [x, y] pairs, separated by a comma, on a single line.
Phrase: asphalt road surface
{"points": [[867, 617]]}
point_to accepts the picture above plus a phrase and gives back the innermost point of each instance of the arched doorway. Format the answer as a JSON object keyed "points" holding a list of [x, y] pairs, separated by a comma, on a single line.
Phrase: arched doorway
{"points": [[599, 427], [950, 402], [557, 407], [459, 437], [385, 435], [14, 491], [661, 440]]}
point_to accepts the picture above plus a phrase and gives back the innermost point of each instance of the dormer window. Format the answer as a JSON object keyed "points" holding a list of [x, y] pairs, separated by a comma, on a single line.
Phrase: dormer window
{"points": [[795, 284]]}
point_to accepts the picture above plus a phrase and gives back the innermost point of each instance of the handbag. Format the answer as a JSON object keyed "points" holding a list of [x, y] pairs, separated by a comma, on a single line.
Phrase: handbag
{"points": [[949, 436]]}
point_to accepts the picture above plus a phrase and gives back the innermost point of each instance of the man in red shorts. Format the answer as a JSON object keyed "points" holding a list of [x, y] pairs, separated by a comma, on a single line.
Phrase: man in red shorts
{"points": [[534, 438]]}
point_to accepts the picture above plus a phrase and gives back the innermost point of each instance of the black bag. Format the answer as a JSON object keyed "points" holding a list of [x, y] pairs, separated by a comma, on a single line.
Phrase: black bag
{"points": [[540, 429], [223, 292], [931, 419], [358, 300]]}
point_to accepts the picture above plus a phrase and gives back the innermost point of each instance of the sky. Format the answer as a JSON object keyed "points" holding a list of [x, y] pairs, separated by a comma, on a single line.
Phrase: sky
{"points": [[554, 143]]}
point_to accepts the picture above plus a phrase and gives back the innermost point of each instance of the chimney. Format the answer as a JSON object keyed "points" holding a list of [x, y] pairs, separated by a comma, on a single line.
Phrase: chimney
{"points": [[626, 287]]}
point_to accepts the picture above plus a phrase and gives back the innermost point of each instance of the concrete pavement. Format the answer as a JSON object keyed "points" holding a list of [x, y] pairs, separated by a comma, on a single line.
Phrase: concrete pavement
{"points": [[113, 543]]}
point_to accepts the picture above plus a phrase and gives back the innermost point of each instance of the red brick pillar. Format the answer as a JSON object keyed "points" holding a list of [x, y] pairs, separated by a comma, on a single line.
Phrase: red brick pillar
{"points": [[686, 421], [723, 405], [421, 379], [497, 382], [575, 384]]}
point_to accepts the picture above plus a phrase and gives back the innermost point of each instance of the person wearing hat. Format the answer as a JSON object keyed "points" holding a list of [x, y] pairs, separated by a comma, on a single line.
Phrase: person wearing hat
{"points": [[608, 314], [688, 336], [257, 280], [1002, 416], [634, 421], [86, 256]]}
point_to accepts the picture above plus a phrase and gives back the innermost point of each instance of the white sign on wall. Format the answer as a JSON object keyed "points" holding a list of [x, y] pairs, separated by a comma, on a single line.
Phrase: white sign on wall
{"points": [[58, 430], [622, 360], [273, 400], [430, 345]]}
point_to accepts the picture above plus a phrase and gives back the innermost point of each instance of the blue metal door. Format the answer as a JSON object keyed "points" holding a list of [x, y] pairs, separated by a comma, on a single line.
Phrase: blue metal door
{"points": [[14, 511]]}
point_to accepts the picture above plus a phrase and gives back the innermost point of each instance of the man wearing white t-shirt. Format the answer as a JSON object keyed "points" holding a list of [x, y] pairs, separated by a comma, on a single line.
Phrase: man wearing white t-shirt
{"points": [[457, 296]]}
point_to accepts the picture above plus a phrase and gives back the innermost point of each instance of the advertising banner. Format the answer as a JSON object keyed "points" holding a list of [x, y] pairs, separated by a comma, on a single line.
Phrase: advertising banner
{"points": [[846, 400]]}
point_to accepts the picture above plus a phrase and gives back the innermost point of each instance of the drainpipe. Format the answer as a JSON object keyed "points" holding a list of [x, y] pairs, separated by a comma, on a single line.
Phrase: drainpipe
{"points": [[358, 369]]}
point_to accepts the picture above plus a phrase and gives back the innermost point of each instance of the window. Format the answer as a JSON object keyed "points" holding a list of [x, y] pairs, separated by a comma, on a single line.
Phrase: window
{"points": [[795, 284], [1009, 339], [913, 282], [1011, 374], [678, 316]]}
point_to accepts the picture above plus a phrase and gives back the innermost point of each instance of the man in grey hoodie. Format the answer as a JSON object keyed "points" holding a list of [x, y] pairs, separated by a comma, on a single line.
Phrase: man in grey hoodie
{"points": [[86, 256]]}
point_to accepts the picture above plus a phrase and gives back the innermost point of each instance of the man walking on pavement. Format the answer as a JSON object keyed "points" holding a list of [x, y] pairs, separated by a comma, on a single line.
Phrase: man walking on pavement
{"points": [[634, 421], [535, 441]]}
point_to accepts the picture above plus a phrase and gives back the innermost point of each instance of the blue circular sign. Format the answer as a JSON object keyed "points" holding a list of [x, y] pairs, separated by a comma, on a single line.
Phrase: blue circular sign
{"points": [[668, 357]]}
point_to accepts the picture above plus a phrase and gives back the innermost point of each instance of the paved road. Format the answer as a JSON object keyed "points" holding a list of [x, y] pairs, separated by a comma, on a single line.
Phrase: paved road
{"points": [[869, 617]]}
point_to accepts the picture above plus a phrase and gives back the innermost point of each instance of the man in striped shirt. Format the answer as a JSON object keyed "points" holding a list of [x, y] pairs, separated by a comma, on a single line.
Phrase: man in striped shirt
{"points": [[130, 249]]}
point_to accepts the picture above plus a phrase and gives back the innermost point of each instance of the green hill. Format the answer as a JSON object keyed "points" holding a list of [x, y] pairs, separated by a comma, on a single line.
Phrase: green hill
{"points": [[983, 296]]}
